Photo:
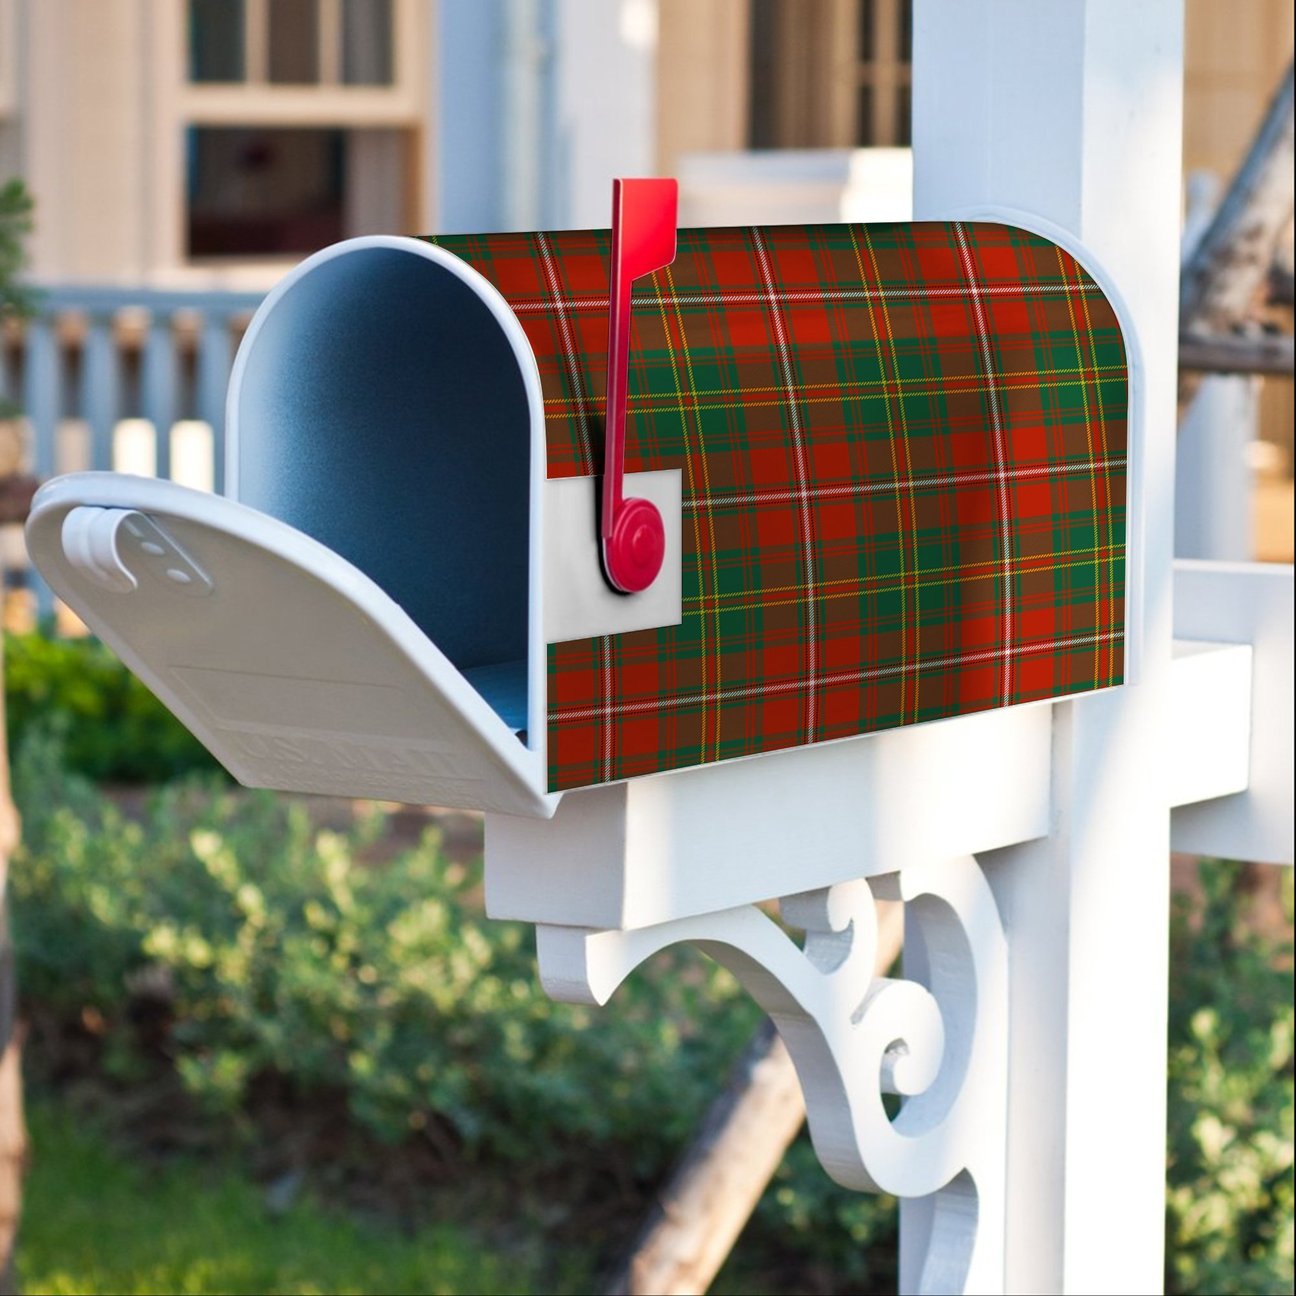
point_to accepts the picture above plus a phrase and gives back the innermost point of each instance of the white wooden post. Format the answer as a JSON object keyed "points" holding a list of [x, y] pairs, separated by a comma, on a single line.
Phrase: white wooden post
{"points": [[1072, 112], [1214, 515]]}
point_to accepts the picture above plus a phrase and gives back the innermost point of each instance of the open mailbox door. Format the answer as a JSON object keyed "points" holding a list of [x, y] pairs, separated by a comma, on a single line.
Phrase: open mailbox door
{"points": [[293, 667], [364, 620]]}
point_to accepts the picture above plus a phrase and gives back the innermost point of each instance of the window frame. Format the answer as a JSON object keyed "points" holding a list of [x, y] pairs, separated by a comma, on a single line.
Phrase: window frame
{"points": [[182, 104], [817, 92], [8, 57], [255, 100]]}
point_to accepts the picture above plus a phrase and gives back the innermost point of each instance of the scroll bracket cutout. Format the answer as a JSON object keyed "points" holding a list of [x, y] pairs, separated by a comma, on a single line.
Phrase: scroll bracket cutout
{"points": [[937, 1037]]}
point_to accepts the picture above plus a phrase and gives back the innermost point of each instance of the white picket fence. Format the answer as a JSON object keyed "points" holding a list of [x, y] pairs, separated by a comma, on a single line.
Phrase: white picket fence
{"points": [[131, 380]]}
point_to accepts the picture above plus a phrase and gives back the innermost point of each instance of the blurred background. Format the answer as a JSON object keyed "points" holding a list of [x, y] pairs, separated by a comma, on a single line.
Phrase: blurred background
{"points": [[183, 154], [256, 1060]]}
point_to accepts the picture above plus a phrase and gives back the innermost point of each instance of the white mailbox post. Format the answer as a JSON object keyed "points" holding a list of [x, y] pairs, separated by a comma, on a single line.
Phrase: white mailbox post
{"points": [[1074, 112], [1032, 847], [322, 635]]}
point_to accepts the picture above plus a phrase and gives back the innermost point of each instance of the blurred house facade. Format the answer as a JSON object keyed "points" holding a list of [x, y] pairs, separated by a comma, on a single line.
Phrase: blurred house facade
{"points": [[210, 143], [185, 153]]}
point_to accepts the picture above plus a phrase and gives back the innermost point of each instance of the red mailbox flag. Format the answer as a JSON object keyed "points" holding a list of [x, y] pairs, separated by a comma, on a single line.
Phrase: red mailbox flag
{"points": [[643, 240]]}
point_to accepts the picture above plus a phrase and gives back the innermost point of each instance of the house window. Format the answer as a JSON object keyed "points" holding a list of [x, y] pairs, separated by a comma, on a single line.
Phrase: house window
{"points": [[293, 53], [884, 71], [301, 124], [264, 192], [279, 192], [291, 42], [830, 73], [366, 42], [216, 45]]}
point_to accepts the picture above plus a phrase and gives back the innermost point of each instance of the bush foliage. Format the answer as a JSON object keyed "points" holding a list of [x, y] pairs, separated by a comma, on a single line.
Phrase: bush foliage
{"points": [[280, 952], [112, 728], [1230, 1199]]}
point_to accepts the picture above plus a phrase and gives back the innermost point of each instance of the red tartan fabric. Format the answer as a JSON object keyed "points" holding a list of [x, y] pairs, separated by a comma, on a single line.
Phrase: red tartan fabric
{"points": [[903, 456]]}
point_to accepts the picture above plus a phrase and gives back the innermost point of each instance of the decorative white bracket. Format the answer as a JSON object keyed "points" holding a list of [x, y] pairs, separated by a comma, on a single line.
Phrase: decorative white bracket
{"points": [[936, 1037]]}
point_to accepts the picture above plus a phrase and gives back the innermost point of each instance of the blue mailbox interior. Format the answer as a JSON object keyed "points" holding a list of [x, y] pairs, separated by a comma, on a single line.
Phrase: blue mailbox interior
{"points": [[382, 411]]}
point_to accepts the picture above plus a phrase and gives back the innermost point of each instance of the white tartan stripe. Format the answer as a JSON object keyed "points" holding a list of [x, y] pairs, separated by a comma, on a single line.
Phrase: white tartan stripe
{"points": [[803, 480], [933, 482], [573, 368], [1000, 450]]}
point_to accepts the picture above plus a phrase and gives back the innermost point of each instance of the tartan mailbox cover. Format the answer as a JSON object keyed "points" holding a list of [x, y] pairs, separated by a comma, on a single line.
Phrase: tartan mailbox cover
{"points": [[892, 460]]}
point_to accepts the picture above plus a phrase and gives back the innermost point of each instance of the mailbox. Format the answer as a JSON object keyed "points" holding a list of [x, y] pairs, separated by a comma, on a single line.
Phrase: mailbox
{"points": [[889, 464]]}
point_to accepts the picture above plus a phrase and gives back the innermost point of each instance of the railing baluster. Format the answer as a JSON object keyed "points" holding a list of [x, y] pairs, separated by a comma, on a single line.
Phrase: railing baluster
{"points": [[102, 383], [159, 384], [213, 374], [41, 390], [100, 390]]}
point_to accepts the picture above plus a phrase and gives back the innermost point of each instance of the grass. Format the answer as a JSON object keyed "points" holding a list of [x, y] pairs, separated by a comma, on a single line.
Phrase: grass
{"points": [[95, 1221]]}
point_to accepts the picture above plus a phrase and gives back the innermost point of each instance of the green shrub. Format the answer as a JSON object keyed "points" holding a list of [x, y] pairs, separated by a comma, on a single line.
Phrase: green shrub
{"points": [[113, 728], [282, 954], [1229, 1200], [847, 1239]]}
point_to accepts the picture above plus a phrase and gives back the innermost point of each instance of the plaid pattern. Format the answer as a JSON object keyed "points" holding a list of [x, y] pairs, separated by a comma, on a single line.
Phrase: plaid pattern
{"points": [[903, 456]]}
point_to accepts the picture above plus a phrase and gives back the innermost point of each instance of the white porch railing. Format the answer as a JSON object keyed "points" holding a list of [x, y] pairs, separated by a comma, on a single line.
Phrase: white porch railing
{"points": [[131, 380]]}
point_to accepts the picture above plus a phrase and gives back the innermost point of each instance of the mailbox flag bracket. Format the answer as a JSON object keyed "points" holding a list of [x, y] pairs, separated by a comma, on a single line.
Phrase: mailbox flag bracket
{"points": [[293, 667]]}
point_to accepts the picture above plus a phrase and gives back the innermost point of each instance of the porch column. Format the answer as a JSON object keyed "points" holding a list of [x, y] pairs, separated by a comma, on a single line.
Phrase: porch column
{"points": [[1071, 113]]}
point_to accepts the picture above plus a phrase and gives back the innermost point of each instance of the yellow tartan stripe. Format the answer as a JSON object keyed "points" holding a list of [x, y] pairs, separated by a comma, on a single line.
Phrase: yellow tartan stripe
{"points": [[939, 576], [781, 353], [1030, 380], [810, 296], [1111, 573], [860, 490], [1000, 426], [570, 715]]}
